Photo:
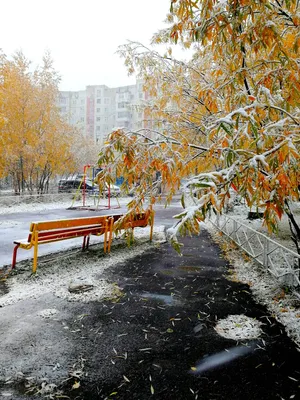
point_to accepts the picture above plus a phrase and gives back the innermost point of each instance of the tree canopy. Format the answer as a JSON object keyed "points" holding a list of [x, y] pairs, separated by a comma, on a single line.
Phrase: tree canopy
{"points": [[227, 120]]}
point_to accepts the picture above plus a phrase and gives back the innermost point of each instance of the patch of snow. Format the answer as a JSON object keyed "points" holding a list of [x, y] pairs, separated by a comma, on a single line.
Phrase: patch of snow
{"points": [[239, 327], [48, 313], [270, 23], [261, 159]]}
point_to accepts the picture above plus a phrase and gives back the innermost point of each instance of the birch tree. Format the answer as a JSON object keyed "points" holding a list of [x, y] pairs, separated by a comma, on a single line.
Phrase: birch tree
{"points": [[227, 120], [35, 142]]}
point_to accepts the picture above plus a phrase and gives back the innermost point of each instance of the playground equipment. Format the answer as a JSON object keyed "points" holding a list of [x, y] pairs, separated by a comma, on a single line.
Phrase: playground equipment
{"points": [[96, 195]]}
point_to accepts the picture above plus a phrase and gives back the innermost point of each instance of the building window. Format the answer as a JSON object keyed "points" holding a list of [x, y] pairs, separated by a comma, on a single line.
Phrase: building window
{"points": [[98, 110], [98, 101], [98, 119], [123, 114], [98, 128], [98, 92], [107, 100]]}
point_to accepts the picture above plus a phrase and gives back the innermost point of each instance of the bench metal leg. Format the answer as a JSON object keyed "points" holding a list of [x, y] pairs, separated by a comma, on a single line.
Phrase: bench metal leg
{"points": [[151, 227], [84, 243], [87, 241], [110, 235], [35, 257], [105, 239], [14, 259]]}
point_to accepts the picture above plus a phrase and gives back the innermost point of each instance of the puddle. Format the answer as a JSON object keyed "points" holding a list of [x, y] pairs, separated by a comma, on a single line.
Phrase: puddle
{"points": [[189, 268], [167, 299], [168, 272], [181, 270]]}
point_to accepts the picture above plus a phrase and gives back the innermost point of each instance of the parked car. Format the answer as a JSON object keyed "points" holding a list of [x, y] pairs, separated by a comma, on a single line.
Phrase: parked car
{"points": [[71, 185], [115, 191], [67, 185]]}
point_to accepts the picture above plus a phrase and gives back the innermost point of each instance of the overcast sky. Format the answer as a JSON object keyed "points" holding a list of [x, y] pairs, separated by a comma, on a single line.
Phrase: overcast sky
{"points": [[82, 35]]}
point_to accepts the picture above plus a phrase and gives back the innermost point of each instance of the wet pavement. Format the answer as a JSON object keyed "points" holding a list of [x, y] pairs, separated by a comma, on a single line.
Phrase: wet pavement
{"points": [[159, 340]]}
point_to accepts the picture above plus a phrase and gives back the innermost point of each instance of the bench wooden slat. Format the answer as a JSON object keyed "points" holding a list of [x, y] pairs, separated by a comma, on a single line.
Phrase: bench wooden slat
{"points": [[49, 236], [66, 230], [44, 234], [66, 223]]}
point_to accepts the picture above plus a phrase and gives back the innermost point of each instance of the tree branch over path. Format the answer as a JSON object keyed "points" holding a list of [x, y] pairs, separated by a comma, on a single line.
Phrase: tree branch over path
{"points": [[226, 120]]}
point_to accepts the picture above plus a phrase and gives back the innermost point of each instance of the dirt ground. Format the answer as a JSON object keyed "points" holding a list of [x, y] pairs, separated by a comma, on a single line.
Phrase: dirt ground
{"points": [[154, 337]]}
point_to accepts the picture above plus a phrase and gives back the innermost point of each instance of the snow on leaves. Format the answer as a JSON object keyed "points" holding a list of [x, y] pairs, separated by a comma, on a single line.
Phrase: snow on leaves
{"points": [[226, 120]]}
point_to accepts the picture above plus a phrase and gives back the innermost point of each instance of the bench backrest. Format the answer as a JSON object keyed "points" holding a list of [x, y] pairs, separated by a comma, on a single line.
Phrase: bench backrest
{"points": [[67, 223], [44, 231], [141, 219]]}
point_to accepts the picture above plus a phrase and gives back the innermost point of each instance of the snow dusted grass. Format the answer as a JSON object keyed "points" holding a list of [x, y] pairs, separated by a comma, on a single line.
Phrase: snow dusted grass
{"points": [[36, 206], [283, 305], [55, 277], [283, 236]]}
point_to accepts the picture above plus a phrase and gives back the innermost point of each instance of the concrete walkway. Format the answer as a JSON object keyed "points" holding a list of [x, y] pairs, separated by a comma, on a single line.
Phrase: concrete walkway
{"points": [[158, 341]]}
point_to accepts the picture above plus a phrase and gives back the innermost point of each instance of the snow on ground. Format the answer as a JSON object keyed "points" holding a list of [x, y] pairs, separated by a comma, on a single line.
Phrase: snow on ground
{"points": [[35, 206], [283, 304], [239, 327], [240, 213], [71, 269], [56, 279]]}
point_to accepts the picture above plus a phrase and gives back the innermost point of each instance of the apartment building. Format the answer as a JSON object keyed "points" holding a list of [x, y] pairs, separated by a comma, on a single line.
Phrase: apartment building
{"points": [[72, 107], [98, 109]]}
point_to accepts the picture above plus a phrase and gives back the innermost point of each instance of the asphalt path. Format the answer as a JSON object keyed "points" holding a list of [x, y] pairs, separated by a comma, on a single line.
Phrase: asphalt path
{"points": [[157, 342], [15, 226]]}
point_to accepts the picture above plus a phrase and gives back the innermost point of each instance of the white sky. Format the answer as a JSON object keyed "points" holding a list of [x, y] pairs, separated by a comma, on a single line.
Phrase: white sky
{"points": [[82, 35]]}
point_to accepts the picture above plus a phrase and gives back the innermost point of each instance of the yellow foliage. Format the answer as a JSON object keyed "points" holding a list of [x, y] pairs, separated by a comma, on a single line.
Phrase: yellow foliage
{"points": [[229, 117], [35, 141]]}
